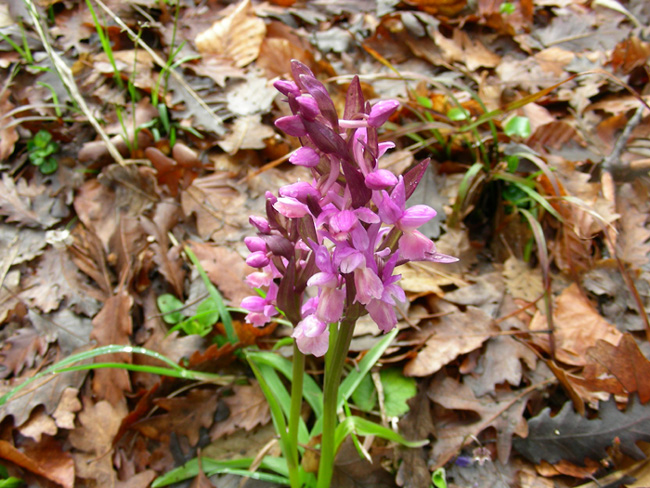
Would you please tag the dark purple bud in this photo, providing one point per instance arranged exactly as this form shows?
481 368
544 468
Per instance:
305 156
317 90
279 246
291 125
298 69
326 139
288 300
353 100
359 191
260 223
381 112
308 107
254 243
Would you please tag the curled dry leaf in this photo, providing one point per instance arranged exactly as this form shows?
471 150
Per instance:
237 37
248 409
46 459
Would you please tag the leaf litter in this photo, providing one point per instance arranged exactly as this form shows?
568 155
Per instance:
494 377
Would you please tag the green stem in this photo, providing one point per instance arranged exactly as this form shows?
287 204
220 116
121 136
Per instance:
333 370
296 410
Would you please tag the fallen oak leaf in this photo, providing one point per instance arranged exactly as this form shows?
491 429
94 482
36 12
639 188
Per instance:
185 415
248 409
46 459
625 361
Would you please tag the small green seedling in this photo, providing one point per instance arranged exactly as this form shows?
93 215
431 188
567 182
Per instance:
200 323
41 149
439 478
518 126
507 8
458 113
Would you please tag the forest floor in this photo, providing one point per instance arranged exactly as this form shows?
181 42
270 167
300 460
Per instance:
136 138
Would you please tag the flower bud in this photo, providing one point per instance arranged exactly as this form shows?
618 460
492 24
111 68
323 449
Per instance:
258 259
380 179
260 223
254 243
305 156
286 87
291 125
308 107
381 111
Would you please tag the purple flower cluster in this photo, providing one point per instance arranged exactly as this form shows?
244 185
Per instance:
327 249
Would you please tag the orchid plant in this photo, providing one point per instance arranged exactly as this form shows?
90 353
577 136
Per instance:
327 250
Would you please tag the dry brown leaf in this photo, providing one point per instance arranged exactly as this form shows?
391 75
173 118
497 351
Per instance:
68 406
46 459
248 409
522 281
578 326
26 203
185 415
501 363
113 325
633 242
237 36
451 335
8 133
248 133
166 256
94 438
442 7
39 423
471 52
225 268
23 348
503 412
624 361
219 206
55 279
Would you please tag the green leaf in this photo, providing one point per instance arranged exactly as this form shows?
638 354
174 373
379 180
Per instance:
513 163
207 313
425 101
49 166
439 478
365 396
518 126
168 305
11 482
458 113
506 8
397 390
42 138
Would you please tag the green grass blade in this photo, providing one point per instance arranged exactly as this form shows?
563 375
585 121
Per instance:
311 391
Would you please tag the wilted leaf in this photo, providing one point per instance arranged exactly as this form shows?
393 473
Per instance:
571 437
237 36
451 335
578 326
68 406
522 281
248 409
354 471
39 423
462 48
8 133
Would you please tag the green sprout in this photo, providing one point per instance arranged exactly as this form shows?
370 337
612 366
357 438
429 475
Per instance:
41 149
